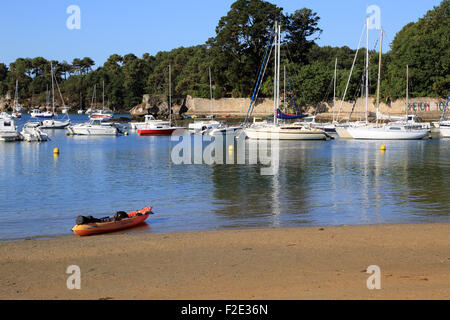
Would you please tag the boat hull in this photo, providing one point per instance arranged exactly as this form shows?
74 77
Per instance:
54 124
444 131
92 131
343 133
155 132
224 131
9 136
386 133
104 227
280 133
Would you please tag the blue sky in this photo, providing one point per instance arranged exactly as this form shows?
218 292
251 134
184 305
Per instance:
31 28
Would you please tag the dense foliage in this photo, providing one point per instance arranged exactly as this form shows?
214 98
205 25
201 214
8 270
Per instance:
235 55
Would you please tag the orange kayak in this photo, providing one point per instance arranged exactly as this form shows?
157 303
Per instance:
110 224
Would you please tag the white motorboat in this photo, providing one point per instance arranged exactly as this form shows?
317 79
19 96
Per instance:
36 113
199 127
94 127
224 130
55 124
157 129
8 130
148 119
30 132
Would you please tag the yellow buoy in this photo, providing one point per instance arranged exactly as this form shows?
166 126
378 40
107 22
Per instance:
56 151
383 147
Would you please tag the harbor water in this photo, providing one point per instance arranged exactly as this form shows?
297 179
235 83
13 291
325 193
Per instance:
319 183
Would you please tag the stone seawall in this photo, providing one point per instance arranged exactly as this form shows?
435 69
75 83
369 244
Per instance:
426 108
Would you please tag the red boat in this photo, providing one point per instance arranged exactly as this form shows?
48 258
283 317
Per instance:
157 129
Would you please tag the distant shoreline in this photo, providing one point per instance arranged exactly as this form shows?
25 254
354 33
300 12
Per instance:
293 263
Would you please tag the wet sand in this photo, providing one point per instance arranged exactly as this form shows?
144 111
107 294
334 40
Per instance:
297 263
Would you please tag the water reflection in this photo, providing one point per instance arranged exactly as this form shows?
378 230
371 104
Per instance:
318 183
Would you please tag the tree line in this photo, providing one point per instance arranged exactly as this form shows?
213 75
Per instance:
234 56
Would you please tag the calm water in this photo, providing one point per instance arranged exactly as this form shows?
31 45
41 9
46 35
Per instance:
319 183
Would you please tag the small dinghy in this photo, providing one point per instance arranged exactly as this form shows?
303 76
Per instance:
87 226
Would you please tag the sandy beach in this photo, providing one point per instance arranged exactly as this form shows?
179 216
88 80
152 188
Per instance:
297 263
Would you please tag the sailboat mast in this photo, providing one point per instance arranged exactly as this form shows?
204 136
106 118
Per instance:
379 73
284 89
210 94
53 88
278 68
103 96
367 71
334 92
275 76
407 91
94 100
16 96
170 95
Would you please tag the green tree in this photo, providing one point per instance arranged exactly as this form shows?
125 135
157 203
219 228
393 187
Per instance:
301 32
425 47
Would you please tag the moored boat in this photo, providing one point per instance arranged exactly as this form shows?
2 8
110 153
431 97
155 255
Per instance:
30 132
94 127
277 130
159 129
8 130
86 226
148 119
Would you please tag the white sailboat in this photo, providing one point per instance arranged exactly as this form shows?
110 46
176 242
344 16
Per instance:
443 125
222 128
17 110
36 113
55 123
81 111
276 130
200 127
391 131
103 113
